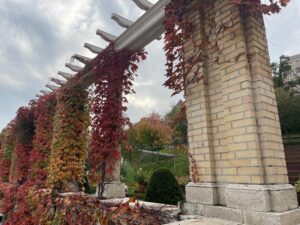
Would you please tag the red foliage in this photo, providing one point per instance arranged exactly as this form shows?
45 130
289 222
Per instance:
24 131
114 73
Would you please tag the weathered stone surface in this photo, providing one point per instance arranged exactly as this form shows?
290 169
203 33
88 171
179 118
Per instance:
291 217
114 190
201 193
192 208
242 197
204 221
224 213
283 200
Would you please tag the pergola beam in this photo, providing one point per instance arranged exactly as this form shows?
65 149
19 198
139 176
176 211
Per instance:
93 48
52 87
45 92
73 67
67 76
143 4
58 81
81 58
106 36
122 21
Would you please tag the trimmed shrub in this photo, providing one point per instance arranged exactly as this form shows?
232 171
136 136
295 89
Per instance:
163 188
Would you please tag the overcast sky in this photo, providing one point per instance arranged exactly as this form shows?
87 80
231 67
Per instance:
37 37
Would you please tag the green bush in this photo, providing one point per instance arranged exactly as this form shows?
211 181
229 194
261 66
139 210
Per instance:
163 188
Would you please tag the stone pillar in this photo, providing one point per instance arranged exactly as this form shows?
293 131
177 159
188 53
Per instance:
114 188
234 131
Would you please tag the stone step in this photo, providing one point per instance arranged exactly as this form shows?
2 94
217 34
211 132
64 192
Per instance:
205 221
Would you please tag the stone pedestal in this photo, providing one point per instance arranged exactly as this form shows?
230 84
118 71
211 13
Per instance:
114 189
245 204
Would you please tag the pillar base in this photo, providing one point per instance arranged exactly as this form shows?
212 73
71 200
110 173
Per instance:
245 204
114 189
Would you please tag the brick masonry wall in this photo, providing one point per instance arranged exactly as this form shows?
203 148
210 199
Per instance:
234 131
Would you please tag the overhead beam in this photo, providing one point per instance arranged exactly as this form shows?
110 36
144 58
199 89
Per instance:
106 36
52 87
93 48
73 67
67 76
147 28
45 92
81 58
143 4
58 81
122 21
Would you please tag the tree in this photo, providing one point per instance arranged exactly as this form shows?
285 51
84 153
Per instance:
288 103
177 120
150 132
289 111
283 76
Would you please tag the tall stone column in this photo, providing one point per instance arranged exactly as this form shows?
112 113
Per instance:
234 131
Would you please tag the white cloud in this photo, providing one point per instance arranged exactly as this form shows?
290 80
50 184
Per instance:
7 81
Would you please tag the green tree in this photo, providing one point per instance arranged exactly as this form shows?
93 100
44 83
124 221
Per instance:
283 76
177 120
289 111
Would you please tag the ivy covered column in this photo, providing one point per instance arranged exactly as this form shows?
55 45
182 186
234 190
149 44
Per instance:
69 142
114 73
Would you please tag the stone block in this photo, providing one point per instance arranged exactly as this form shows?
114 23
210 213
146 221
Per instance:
191 209
114 190
291 217
201 193
284 199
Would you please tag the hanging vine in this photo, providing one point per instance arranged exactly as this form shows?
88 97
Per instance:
114 75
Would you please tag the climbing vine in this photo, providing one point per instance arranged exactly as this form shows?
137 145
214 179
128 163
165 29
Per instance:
114 77
7 146
24 132
179 26
69 141
39 158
